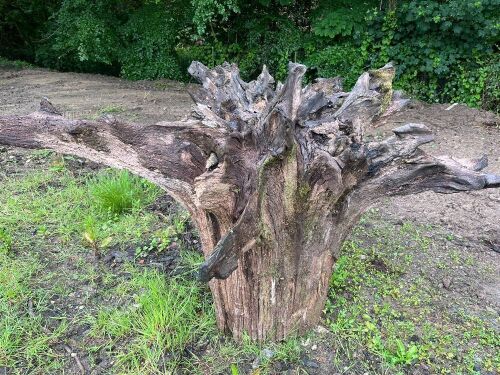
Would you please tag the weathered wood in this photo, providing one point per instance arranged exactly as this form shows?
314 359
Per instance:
274 178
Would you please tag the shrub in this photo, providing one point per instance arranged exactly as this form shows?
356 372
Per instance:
345 60
149 39
82 35
443 50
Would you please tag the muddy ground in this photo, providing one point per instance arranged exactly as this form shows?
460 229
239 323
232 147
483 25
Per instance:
472 219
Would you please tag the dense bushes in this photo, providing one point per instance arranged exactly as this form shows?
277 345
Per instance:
445 50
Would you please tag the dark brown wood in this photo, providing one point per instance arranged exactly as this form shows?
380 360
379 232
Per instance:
274 178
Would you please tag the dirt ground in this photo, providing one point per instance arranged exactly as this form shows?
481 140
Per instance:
473 218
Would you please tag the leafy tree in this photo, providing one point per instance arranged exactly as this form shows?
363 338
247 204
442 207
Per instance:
21 26
444 50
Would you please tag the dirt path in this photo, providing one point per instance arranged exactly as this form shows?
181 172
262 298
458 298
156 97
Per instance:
87 95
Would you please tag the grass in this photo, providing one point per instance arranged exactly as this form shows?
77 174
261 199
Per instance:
385 312
118 191
16 64
24 339
110 109
165 317
378 303
5 242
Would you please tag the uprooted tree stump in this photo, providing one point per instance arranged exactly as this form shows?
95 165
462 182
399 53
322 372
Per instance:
274 178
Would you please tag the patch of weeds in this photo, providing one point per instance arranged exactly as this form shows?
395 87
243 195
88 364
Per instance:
159 243
180 221
24 340
164 318
227 356
146 320
109 109
165 238
42 154
118 191
14 64
5 241
379 299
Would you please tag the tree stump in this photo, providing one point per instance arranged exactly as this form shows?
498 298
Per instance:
274 177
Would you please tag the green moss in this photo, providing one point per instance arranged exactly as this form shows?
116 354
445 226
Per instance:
385 77
304 190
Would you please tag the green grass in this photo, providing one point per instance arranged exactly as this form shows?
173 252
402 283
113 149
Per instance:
110 109
5 241
166 316
24 340
119 192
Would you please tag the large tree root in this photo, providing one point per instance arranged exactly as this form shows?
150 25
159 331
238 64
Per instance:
274 178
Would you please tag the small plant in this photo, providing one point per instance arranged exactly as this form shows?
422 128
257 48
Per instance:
403 355
180 221
157 244
234 369
109 109
90 235
119 192
5 241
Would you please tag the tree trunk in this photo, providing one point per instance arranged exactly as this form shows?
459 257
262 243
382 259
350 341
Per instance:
282 275
274 179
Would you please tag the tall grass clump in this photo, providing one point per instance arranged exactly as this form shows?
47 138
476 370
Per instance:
166 316
119 192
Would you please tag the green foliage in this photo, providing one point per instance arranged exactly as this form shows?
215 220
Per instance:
274 49
340 17
118 191
343 60
150 34
22 25
5 241
208 11
14 64
82 35
445 51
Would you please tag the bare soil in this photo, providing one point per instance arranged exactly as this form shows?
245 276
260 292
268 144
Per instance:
473 218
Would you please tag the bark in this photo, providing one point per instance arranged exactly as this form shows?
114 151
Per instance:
274 176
